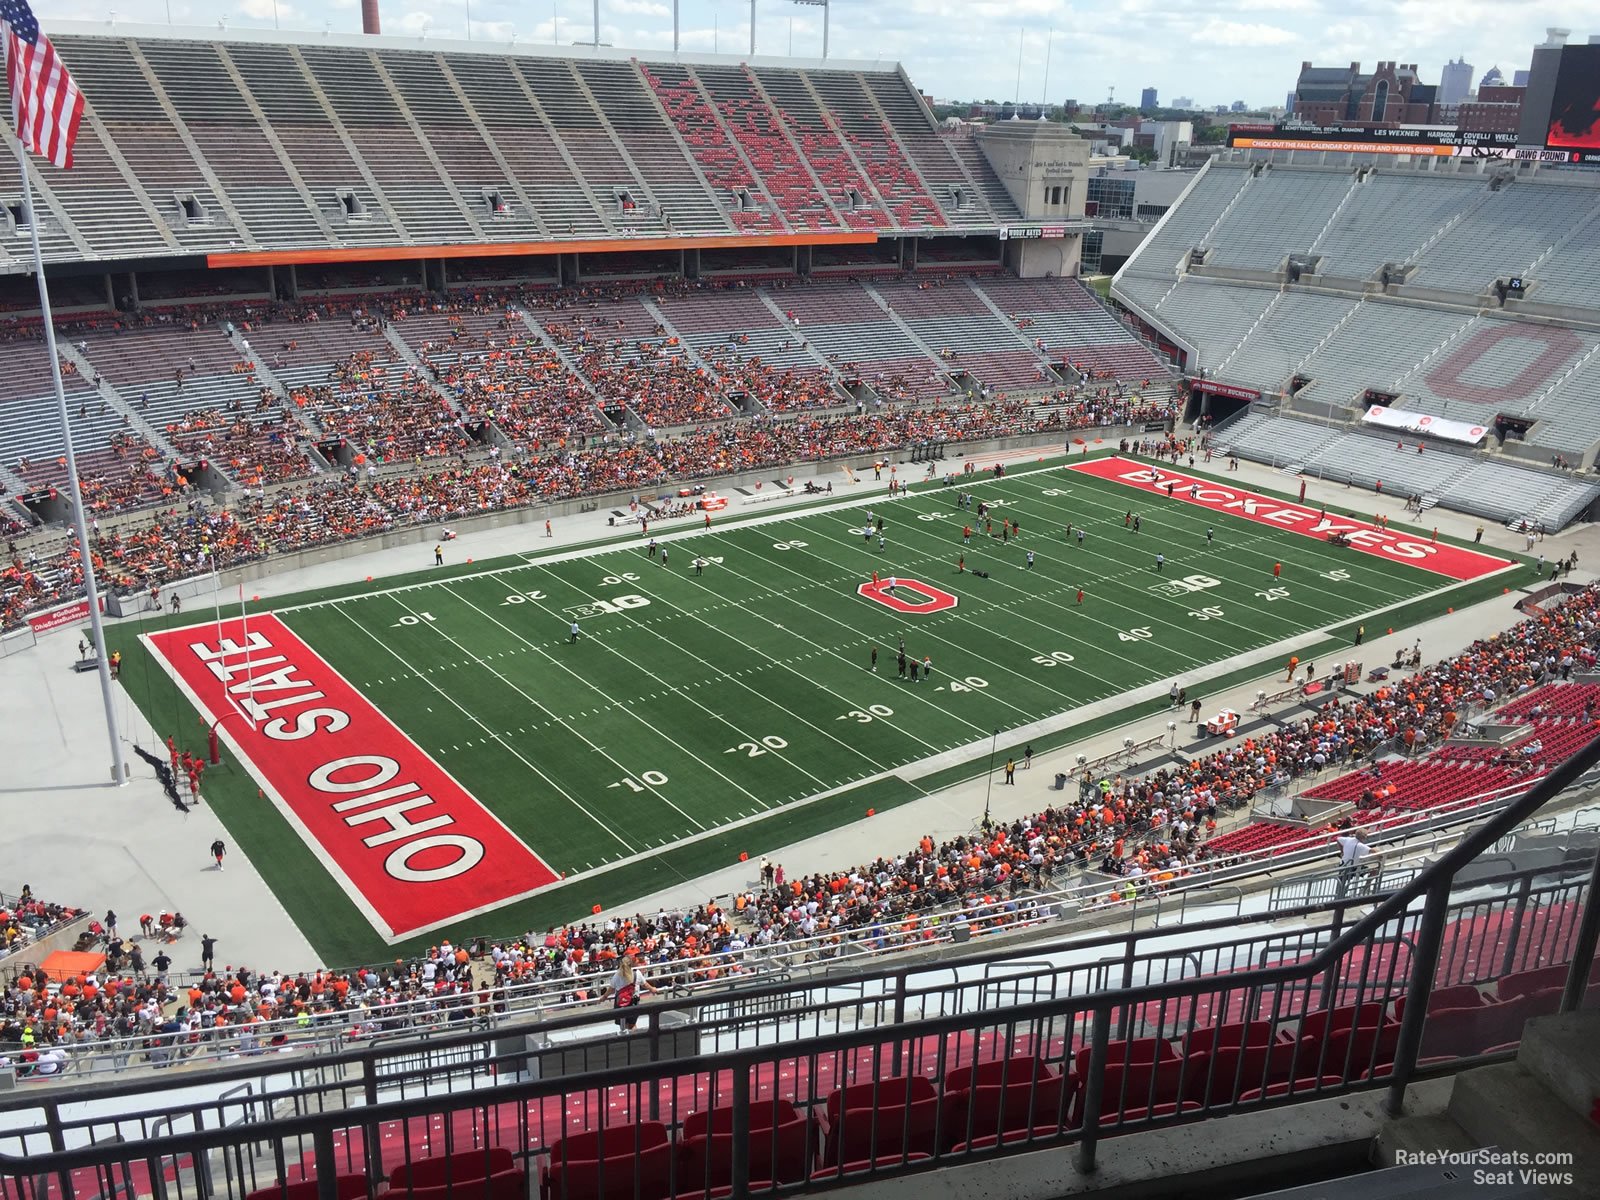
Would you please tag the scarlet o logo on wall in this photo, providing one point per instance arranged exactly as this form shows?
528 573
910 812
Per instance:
908 595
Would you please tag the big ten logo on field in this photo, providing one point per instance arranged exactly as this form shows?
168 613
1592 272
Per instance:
1182 587
606 608
908 595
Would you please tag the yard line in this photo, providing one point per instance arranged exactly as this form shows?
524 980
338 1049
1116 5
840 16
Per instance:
1030 651
620 544
1119 580
1192 517
760 653
1083 614
564 722
1382 588
955 648
471 717
638 667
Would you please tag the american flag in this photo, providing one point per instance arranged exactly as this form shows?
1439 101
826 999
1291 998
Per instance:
46 104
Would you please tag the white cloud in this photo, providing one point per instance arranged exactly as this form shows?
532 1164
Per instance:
268 10
1217 32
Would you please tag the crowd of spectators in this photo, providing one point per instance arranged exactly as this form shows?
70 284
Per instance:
505 375
1120 830
1150 829
383 412
178 540
256 448
653 375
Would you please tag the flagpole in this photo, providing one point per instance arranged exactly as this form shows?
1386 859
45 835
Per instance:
119 771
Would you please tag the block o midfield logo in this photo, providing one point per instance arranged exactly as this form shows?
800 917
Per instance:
909 595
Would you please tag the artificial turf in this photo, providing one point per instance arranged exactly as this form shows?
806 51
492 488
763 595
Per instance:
737 697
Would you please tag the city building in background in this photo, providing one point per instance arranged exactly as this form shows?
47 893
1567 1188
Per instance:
1455 82
1393 94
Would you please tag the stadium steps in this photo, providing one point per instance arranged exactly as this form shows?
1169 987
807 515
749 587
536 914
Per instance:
1204 240
934 154
1357 178
783 130
425 140
901 324
218 192
58 228
70 353
515 181
409 358
1582 232
1220 370
224 116
653 98
647 141
1448 344
269 134
653 202
1538 1103
375 189
714 145
824 151
1457 218
988 300
266 377
892 137
830 118
550 344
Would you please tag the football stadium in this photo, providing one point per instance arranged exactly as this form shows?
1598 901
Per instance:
613 624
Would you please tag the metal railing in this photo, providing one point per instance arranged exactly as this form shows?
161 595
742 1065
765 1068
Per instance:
881 1066
853 949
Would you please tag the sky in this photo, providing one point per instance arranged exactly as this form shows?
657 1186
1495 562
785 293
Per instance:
1211 50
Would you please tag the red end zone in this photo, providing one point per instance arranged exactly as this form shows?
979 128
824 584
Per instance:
1453 562
408 844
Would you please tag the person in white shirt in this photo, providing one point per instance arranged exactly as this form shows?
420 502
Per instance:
1353 851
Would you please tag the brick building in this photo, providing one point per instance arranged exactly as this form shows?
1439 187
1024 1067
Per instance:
1391 95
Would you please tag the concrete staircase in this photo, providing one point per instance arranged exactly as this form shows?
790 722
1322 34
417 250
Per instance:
1529 1117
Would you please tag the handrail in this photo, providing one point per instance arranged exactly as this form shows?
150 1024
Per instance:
542 996
898 979
1432 884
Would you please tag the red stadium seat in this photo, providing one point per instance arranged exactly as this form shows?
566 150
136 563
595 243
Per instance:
781 1146
346 1187
637 1164
1314 1024
452 1168
861 1166
1292 1088
1236 1033
1462 995
885 1118
1143 1085
1234 1070
1135 1050
502 1185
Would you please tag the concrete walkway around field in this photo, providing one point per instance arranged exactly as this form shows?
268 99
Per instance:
76 840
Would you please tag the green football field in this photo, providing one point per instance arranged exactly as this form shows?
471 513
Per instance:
701 714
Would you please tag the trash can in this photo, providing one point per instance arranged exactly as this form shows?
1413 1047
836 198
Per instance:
1061 781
